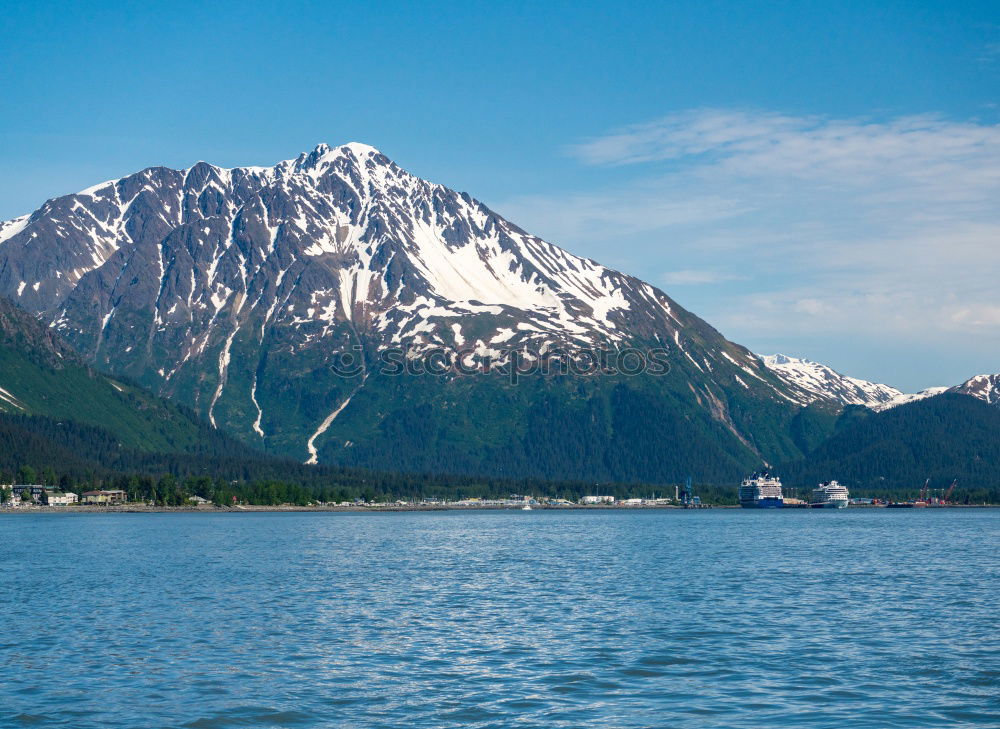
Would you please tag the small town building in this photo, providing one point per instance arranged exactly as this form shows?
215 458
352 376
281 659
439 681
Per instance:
112 496
198 501
28 493
59 498
597 500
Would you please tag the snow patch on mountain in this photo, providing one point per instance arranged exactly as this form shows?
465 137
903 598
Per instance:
5 396
905 398
203 276
983 387
11 228
824 383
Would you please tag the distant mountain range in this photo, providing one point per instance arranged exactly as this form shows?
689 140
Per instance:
888 442
819 382
823 383
300 308
983 387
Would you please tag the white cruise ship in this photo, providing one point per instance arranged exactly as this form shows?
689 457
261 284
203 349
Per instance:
829 496
761 491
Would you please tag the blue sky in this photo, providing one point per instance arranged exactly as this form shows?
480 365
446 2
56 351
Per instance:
820 179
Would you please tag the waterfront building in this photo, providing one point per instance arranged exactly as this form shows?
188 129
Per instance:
59 498
28 493
105 498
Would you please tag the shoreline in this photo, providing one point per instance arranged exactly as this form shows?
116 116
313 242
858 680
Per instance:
258 509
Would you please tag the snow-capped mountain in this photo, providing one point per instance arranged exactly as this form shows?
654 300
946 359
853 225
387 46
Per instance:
983 387
824 383
399 255
907 397
235 290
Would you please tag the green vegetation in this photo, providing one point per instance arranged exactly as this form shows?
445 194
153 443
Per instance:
79 457
891 454
82 457
606 428
65 425
43 376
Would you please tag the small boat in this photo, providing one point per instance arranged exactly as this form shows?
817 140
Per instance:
526 507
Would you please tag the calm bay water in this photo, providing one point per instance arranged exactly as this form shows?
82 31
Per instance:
717 618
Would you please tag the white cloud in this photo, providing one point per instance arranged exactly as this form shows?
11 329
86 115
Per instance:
691 276
751 143
836 226
990 53
631 209
953 166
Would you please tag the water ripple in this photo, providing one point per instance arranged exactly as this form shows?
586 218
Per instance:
860 618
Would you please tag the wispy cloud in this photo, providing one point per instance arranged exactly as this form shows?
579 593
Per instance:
990 53
630 209
838 225
914 151
690 276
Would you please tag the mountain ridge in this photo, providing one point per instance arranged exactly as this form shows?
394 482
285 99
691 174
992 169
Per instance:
234 290
822 382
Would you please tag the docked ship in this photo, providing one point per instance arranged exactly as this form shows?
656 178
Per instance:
761 491
829 495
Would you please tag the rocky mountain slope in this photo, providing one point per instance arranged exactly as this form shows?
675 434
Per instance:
41 376
269 299
983 387
825 383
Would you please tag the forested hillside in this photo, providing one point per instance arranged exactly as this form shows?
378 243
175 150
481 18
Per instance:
602 428
75 456
41 375
942 438
63 422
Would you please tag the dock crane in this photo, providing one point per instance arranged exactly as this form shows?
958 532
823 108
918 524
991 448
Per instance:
688 499
686 493
923 491
947 495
